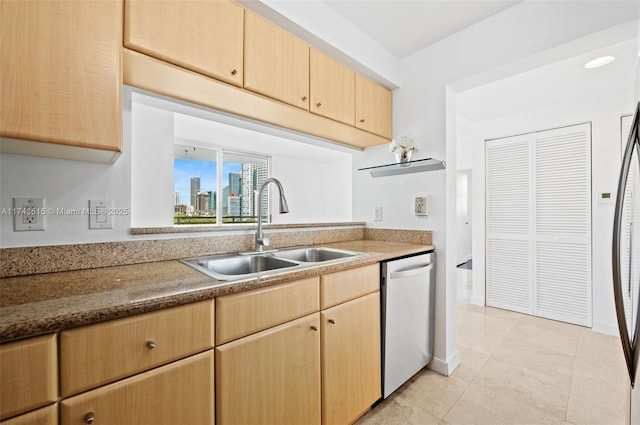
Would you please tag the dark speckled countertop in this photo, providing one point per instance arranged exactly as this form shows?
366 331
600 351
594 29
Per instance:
37 304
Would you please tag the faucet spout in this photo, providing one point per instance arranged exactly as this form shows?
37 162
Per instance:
260 240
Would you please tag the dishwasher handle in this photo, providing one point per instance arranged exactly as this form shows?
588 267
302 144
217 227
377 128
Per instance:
411 272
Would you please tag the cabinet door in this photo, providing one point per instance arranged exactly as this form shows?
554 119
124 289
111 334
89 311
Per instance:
179 393
204 36
351 367
276 64
332 88
28 375
272 377
374 107
61 73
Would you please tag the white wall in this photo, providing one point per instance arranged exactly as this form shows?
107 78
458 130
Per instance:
425 105
316 178
463 213
600 106
69 185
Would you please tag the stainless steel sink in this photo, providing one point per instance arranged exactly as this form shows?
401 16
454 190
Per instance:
313 255
248 265
238 266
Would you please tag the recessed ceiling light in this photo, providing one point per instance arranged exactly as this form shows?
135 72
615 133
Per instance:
598 62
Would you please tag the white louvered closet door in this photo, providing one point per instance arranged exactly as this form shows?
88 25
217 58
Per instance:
538 205
508 244
562 235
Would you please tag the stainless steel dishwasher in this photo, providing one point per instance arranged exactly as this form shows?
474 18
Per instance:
407 296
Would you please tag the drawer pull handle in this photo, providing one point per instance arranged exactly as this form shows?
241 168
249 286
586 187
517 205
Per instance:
89 417
319 104
234 72
314 328
362 120
333 322
304 98
151 345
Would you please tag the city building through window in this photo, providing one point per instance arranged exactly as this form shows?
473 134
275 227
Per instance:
215 186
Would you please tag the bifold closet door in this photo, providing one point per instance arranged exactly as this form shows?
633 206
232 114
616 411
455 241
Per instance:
538 206
508 244
562 208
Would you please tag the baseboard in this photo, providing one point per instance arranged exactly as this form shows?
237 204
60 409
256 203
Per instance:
477 301
605 328
443 367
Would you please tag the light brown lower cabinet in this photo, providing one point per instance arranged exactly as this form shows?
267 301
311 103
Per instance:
44 416
178 393
28 375
350 341
271 377
321 368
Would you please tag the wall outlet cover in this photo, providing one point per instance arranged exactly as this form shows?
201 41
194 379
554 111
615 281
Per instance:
421 206
28 214
377 214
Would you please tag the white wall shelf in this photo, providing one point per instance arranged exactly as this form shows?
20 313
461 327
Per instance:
415 166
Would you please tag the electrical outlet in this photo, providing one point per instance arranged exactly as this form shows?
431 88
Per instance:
28 214
421 206
377 214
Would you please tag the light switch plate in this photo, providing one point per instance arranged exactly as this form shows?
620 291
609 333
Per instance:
100 214
28 214
421 205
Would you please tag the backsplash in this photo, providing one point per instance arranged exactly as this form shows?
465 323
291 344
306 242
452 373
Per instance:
58 258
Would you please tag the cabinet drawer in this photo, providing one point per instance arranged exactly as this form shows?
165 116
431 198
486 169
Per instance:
29 375
45 416
179 393
336 288
98 354
242 314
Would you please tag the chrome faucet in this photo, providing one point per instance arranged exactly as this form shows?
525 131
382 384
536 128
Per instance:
261 241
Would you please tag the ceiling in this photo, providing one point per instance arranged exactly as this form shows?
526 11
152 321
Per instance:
406 26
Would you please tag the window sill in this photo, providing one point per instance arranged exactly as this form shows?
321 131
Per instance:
203 228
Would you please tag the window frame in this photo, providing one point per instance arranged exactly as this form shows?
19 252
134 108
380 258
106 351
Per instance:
220 152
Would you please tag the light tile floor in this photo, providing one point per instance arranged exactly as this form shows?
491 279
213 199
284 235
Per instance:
515 369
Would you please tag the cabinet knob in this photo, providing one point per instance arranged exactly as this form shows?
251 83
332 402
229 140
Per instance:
314 328
234 72
362 120
151 345
318 104
333 322
304 98
89 417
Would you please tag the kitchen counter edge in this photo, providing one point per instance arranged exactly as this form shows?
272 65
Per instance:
46 303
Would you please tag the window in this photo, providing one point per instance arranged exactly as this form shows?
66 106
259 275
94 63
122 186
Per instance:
205 193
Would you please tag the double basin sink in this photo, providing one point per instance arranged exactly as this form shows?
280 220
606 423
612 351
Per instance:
247 265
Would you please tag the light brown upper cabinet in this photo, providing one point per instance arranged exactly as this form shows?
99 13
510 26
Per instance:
61 72
203 36
373 107
332 88
276 64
